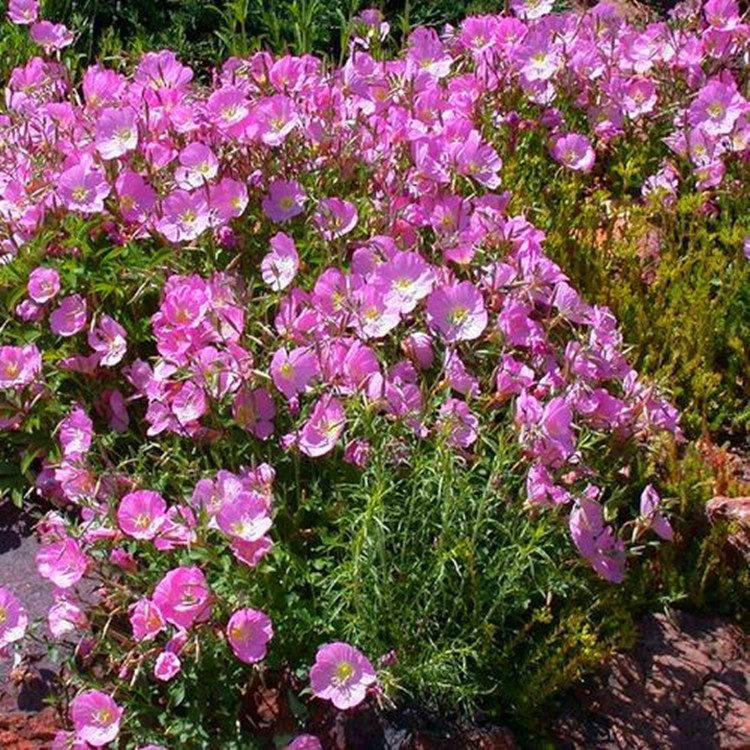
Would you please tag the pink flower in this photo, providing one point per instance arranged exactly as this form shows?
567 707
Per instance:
276 117
374 318
62 562
83 189
597 542
185 216
177 528
341 674
251 553
146 620
284 201
244 517
357 453
116 132
108 339
228 109
717 108
531 9
305 741
13 619
112 404
70 316
322 430
75 434
254 411
51 36
279 267
228 199
458 424
167 665
137 197
478 160
141 514
404 280
418 347
574 151
23 12
43 284
248 632
292 372
65 617
721 14
96 718
335 218
183 597
457 311
19 365
29 311
654 518
198 165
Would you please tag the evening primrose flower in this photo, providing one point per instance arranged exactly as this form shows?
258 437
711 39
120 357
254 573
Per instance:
279 267
70 316
96 717
43 284
341 674
183 597
457 311
248 632
116 132
574 151
19 365
284 201
141 514
13 618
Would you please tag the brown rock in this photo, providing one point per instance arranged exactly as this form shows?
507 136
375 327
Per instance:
682 686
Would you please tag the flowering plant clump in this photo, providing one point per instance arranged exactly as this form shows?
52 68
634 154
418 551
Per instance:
238 313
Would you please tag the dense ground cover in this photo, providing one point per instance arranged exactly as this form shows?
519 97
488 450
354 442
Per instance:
310 358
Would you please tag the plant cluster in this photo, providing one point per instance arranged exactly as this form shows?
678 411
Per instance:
238 313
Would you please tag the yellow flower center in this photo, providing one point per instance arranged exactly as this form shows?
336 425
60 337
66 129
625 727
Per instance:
12 369
103 716
79 194
287 203
344 672
3 615
458 316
